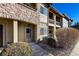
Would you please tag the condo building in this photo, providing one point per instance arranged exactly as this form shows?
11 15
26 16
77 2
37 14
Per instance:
26 22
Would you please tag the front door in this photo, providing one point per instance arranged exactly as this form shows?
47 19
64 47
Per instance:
1 35
29 34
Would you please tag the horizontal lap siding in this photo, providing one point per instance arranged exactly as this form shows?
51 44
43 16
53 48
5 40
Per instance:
8 30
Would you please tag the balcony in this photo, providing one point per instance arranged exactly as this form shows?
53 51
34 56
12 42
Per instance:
52 22
57 23
31 6
19 12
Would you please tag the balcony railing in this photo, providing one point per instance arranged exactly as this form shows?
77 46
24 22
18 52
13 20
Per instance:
19 12
28 6
58 23
52 22
30 14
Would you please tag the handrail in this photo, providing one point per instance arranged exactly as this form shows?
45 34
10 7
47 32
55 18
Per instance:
52 21
27 6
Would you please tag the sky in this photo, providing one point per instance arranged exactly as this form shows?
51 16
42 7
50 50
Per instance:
71 9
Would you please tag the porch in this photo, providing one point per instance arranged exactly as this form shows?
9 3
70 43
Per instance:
12 31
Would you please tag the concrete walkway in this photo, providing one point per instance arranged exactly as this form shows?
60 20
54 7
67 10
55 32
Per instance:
38 51
1 50
75 51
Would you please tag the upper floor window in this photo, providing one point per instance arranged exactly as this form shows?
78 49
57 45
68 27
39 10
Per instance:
51 16
43 10
58 18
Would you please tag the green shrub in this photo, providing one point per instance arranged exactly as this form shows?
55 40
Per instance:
17 49
67 37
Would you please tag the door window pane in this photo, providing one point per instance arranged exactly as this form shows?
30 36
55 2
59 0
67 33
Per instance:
28 30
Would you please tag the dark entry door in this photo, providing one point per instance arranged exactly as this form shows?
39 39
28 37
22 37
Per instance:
29 34
1 35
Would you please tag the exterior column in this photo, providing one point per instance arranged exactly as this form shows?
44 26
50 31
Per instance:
38 25
38 33
15 31
55 28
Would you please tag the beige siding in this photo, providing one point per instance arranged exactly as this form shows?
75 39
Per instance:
7 30
22 31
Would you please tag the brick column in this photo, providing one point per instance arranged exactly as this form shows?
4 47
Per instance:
15 31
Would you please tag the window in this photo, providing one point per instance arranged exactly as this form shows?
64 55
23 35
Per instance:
51 16
58 18
28 30
43 31
43 10
50 31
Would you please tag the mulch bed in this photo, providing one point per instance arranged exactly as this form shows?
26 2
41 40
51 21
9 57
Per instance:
56 51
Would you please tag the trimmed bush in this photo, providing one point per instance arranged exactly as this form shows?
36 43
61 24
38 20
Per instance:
67 37
49 40
17 49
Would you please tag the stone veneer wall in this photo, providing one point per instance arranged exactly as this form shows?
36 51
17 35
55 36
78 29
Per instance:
18 12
